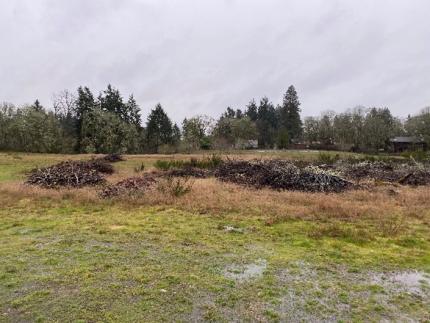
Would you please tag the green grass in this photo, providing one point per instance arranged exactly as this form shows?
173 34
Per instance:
105 263
13 166
71 261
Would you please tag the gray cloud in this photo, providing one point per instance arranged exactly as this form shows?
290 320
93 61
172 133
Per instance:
198 57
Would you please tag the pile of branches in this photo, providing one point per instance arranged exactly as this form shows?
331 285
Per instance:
379 170
401 173
112 158
99 165
189 172
69 174
281 175
73 173
417 177
129 186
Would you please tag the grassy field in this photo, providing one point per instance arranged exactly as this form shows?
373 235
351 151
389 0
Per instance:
220 253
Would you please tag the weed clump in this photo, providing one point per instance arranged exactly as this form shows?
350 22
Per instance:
175 186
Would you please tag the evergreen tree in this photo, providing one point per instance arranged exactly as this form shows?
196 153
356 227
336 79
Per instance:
230 113
85 103
37 106
159 130
176 134
111 101
133 111
105 132
266 124
289 114
252 110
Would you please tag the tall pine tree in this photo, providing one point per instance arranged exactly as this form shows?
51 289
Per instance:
111 101
252 110
159 130
289 115
133 111
266 124
85 103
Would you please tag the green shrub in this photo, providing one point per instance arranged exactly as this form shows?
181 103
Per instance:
205 143
205 163
168 164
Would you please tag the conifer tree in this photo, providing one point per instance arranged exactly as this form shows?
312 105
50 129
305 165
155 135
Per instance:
290 114
159 130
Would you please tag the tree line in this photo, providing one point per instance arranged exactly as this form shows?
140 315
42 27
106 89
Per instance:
81 122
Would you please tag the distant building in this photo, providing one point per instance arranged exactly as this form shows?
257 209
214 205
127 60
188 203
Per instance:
400 144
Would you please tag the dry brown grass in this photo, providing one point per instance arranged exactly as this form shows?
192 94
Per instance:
13 192
210 196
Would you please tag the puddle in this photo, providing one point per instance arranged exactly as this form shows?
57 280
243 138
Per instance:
246 272
312 292
228 228
411 281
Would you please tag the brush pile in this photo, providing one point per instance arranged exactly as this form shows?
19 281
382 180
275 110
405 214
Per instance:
281 175
112 158
402 173
189 172
73 173
69 174
417 177
129 186
379 170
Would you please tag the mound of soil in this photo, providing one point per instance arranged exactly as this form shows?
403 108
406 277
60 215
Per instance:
282 175
69 174
129 186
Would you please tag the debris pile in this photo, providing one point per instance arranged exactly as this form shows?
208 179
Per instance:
281 175
68 174
416 177
98 165
112 158
189 172
129 186
402 173
74 173
379 170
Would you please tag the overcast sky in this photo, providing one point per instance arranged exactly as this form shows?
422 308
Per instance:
200 56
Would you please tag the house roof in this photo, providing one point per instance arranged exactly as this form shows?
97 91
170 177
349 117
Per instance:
412 140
